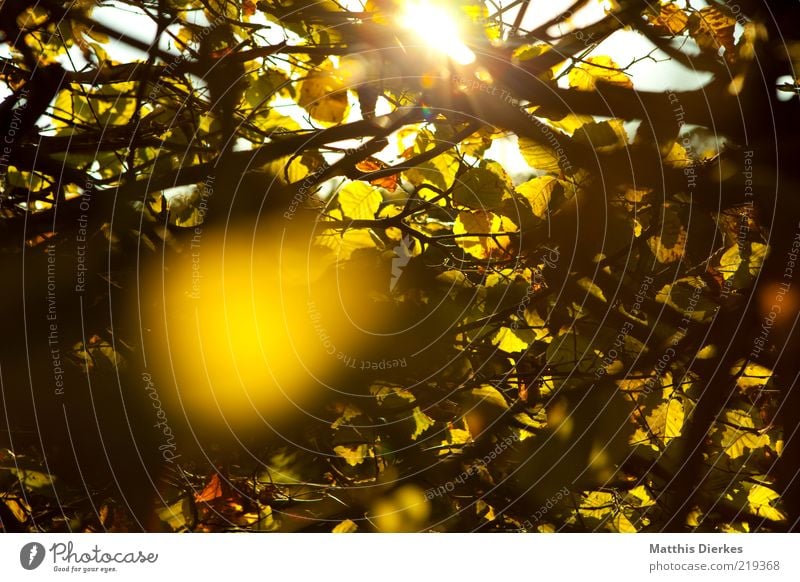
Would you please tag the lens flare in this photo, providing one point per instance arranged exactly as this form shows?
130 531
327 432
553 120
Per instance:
437 28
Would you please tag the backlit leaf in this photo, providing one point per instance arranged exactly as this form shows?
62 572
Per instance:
323 95
600 69
359 201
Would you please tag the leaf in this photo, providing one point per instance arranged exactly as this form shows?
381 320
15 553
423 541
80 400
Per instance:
668 19
354 455
422 422
739 433
603 136
687 296
323 94
539 192
371 164
511 340
346 526
761 501
439 172
456 437
178 515
742 268
669 245
753 375
530 51
33 480
477 143
211 491
640 497
359 201
264 86
538 156
490 395
666 421
479 223
344 244
597 505
621 524
349 413
600 69
571 352
483 188
713 29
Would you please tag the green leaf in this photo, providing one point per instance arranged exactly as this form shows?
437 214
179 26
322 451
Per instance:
178 515
33 480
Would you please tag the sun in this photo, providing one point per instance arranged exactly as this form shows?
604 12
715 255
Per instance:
437 27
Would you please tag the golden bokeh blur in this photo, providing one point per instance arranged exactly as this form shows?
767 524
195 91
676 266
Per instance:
253 328
404 510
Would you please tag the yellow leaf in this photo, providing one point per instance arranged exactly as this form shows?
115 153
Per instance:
509 340
642 496
739 433
354 455
591 288
571 122
347 526
491 395
677 156
343 244
666 421
597 504
422 422
538 156
360 201
620 523
479 223
603 136
585 75
323 94
753 375
19 509
731 260
539 192
761 501
456 437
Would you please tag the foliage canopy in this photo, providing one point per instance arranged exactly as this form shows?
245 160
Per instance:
371 288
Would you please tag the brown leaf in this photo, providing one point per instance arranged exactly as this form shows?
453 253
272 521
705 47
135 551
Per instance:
212 490
712 28
373 165
669 20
